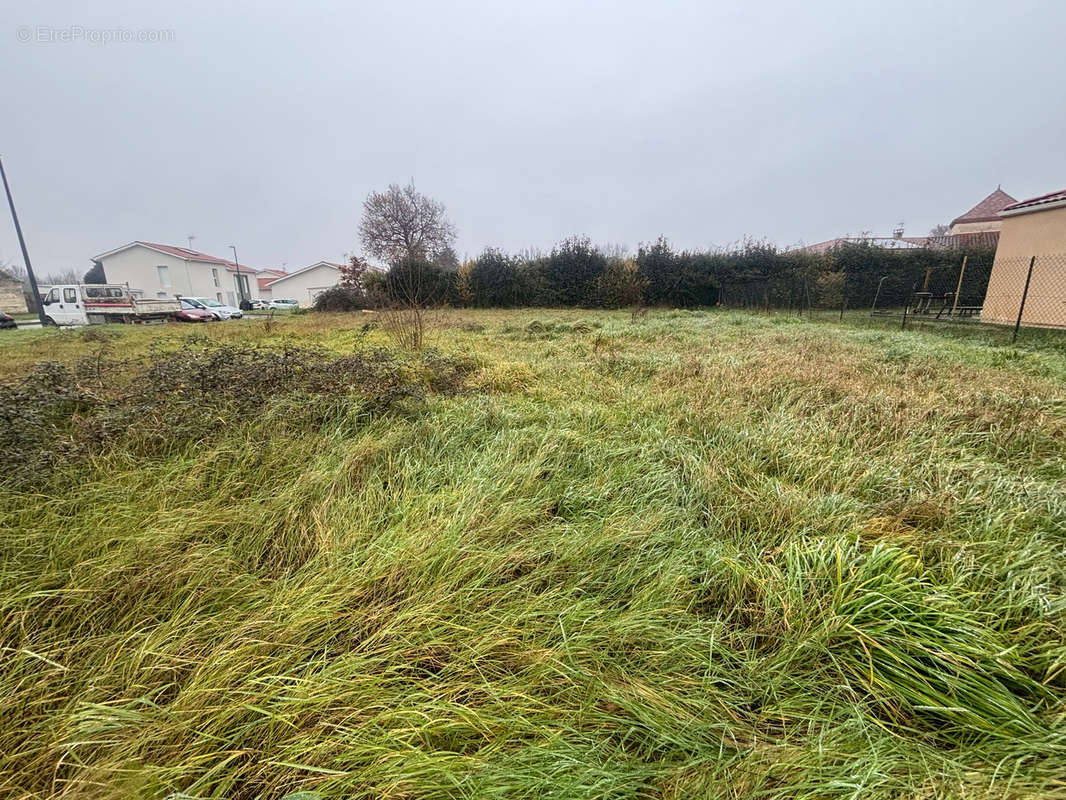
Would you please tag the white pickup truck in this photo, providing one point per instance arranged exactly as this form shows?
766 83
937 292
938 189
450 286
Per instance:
91 304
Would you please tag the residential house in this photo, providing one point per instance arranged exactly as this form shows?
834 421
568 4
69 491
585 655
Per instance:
160 270
304 285
263 279
976 229
983 217
899 242
1032 230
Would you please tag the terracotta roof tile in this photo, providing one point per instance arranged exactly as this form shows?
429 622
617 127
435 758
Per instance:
1035 202
185 252
988 209
196 255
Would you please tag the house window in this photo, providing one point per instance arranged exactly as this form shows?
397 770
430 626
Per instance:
164 275
218 296
214 277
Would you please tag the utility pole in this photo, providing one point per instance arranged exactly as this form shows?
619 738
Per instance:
240 286
25 253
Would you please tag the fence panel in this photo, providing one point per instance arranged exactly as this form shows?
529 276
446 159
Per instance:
1027 293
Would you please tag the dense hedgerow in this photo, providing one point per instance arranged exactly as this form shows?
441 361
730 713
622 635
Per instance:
754 275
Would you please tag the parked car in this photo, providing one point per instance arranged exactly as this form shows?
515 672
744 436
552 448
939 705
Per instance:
190 313
7 321
259 305
283 305
219 310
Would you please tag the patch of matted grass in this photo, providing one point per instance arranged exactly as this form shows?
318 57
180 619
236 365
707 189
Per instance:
697 554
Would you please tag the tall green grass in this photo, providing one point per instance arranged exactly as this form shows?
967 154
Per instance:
694 555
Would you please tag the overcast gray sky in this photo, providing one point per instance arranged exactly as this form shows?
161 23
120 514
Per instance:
265 124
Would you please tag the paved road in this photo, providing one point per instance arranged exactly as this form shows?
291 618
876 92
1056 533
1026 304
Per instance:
32 323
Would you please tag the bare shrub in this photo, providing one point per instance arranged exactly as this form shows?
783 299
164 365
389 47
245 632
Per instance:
405 324
407 300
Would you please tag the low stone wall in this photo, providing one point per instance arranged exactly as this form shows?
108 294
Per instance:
12 300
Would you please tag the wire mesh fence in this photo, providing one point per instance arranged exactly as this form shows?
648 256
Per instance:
1027 293
1023 296
1010 298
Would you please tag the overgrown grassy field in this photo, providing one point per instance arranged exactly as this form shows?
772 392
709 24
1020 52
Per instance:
564 554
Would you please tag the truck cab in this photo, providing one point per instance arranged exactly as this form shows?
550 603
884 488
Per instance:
63 305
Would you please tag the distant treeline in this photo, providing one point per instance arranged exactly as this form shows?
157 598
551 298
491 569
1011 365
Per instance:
751 275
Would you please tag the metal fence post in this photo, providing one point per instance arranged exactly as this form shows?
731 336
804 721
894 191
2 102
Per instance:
958 288
877 294
1021 306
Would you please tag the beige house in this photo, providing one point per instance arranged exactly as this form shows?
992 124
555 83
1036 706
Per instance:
304 285
983 217
1031 229
12 300
162 270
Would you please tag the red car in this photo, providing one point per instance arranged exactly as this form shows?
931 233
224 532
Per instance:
190 313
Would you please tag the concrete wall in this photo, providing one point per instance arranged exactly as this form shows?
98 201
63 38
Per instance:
976 227
11 298
306 286
138 266
1041 234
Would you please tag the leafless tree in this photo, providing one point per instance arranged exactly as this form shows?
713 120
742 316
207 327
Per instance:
62 276
614 250
353 272
940 230
401 222
15 270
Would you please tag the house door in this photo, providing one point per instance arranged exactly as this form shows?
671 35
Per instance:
242 287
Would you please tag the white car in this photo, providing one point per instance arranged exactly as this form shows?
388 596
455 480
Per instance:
283 305
259 305
220 310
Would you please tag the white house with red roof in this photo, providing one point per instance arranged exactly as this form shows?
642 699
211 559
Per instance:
162 270
263 278
304 285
